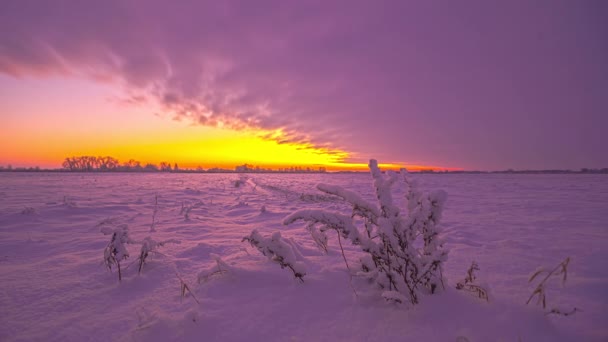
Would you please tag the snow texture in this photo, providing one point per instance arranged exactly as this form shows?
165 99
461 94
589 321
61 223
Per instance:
55 287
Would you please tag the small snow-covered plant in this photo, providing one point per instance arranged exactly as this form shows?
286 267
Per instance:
404 251
561 270
148 245
116 251
278 250
469 284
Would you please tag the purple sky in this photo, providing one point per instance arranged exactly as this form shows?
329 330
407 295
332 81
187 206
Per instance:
472 84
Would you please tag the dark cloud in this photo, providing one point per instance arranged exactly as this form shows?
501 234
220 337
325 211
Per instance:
474 83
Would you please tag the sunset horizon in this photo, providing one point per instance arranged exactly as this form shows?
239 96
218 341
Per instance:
441 87
137 130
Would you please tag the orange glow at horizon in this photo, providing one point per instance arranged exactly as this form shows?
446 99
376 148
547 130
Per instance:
189 147
45 121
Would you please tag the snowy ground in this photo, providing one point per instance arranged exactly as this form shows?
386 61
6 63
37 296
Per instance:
54 287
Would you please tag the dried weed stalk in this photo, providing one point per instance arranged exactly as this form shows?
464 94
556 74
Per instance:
540 291
153 225
220 268
468 284
187 208
183 287
319 237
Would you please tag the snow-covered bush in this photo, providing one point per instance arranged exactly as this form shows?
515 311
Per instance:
404 251
116 251
277 249
148 245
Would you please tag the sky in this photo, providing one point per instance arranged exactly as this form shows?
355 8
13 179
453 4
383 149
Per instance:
485 85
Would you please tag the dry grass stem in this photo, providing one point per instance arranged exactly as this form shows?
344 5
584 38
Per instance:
183 288
540 291
468 284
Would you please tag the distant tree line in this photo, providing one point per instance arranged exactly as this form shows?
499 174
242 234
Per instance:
583 170
293 169
10 168
109 164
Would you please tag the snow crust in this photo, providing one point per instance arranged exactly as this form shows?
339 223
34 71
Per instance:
55 286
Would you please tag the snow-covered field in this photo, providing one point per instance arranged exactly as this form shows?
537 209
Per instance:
54 286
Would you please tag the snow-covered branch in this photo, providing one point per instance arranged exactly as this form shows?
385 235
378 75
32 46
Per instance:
278 250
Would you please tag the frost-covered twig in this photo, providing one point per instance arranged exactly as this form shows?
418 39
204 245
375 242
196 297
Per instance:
327 220
361 207
278 250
